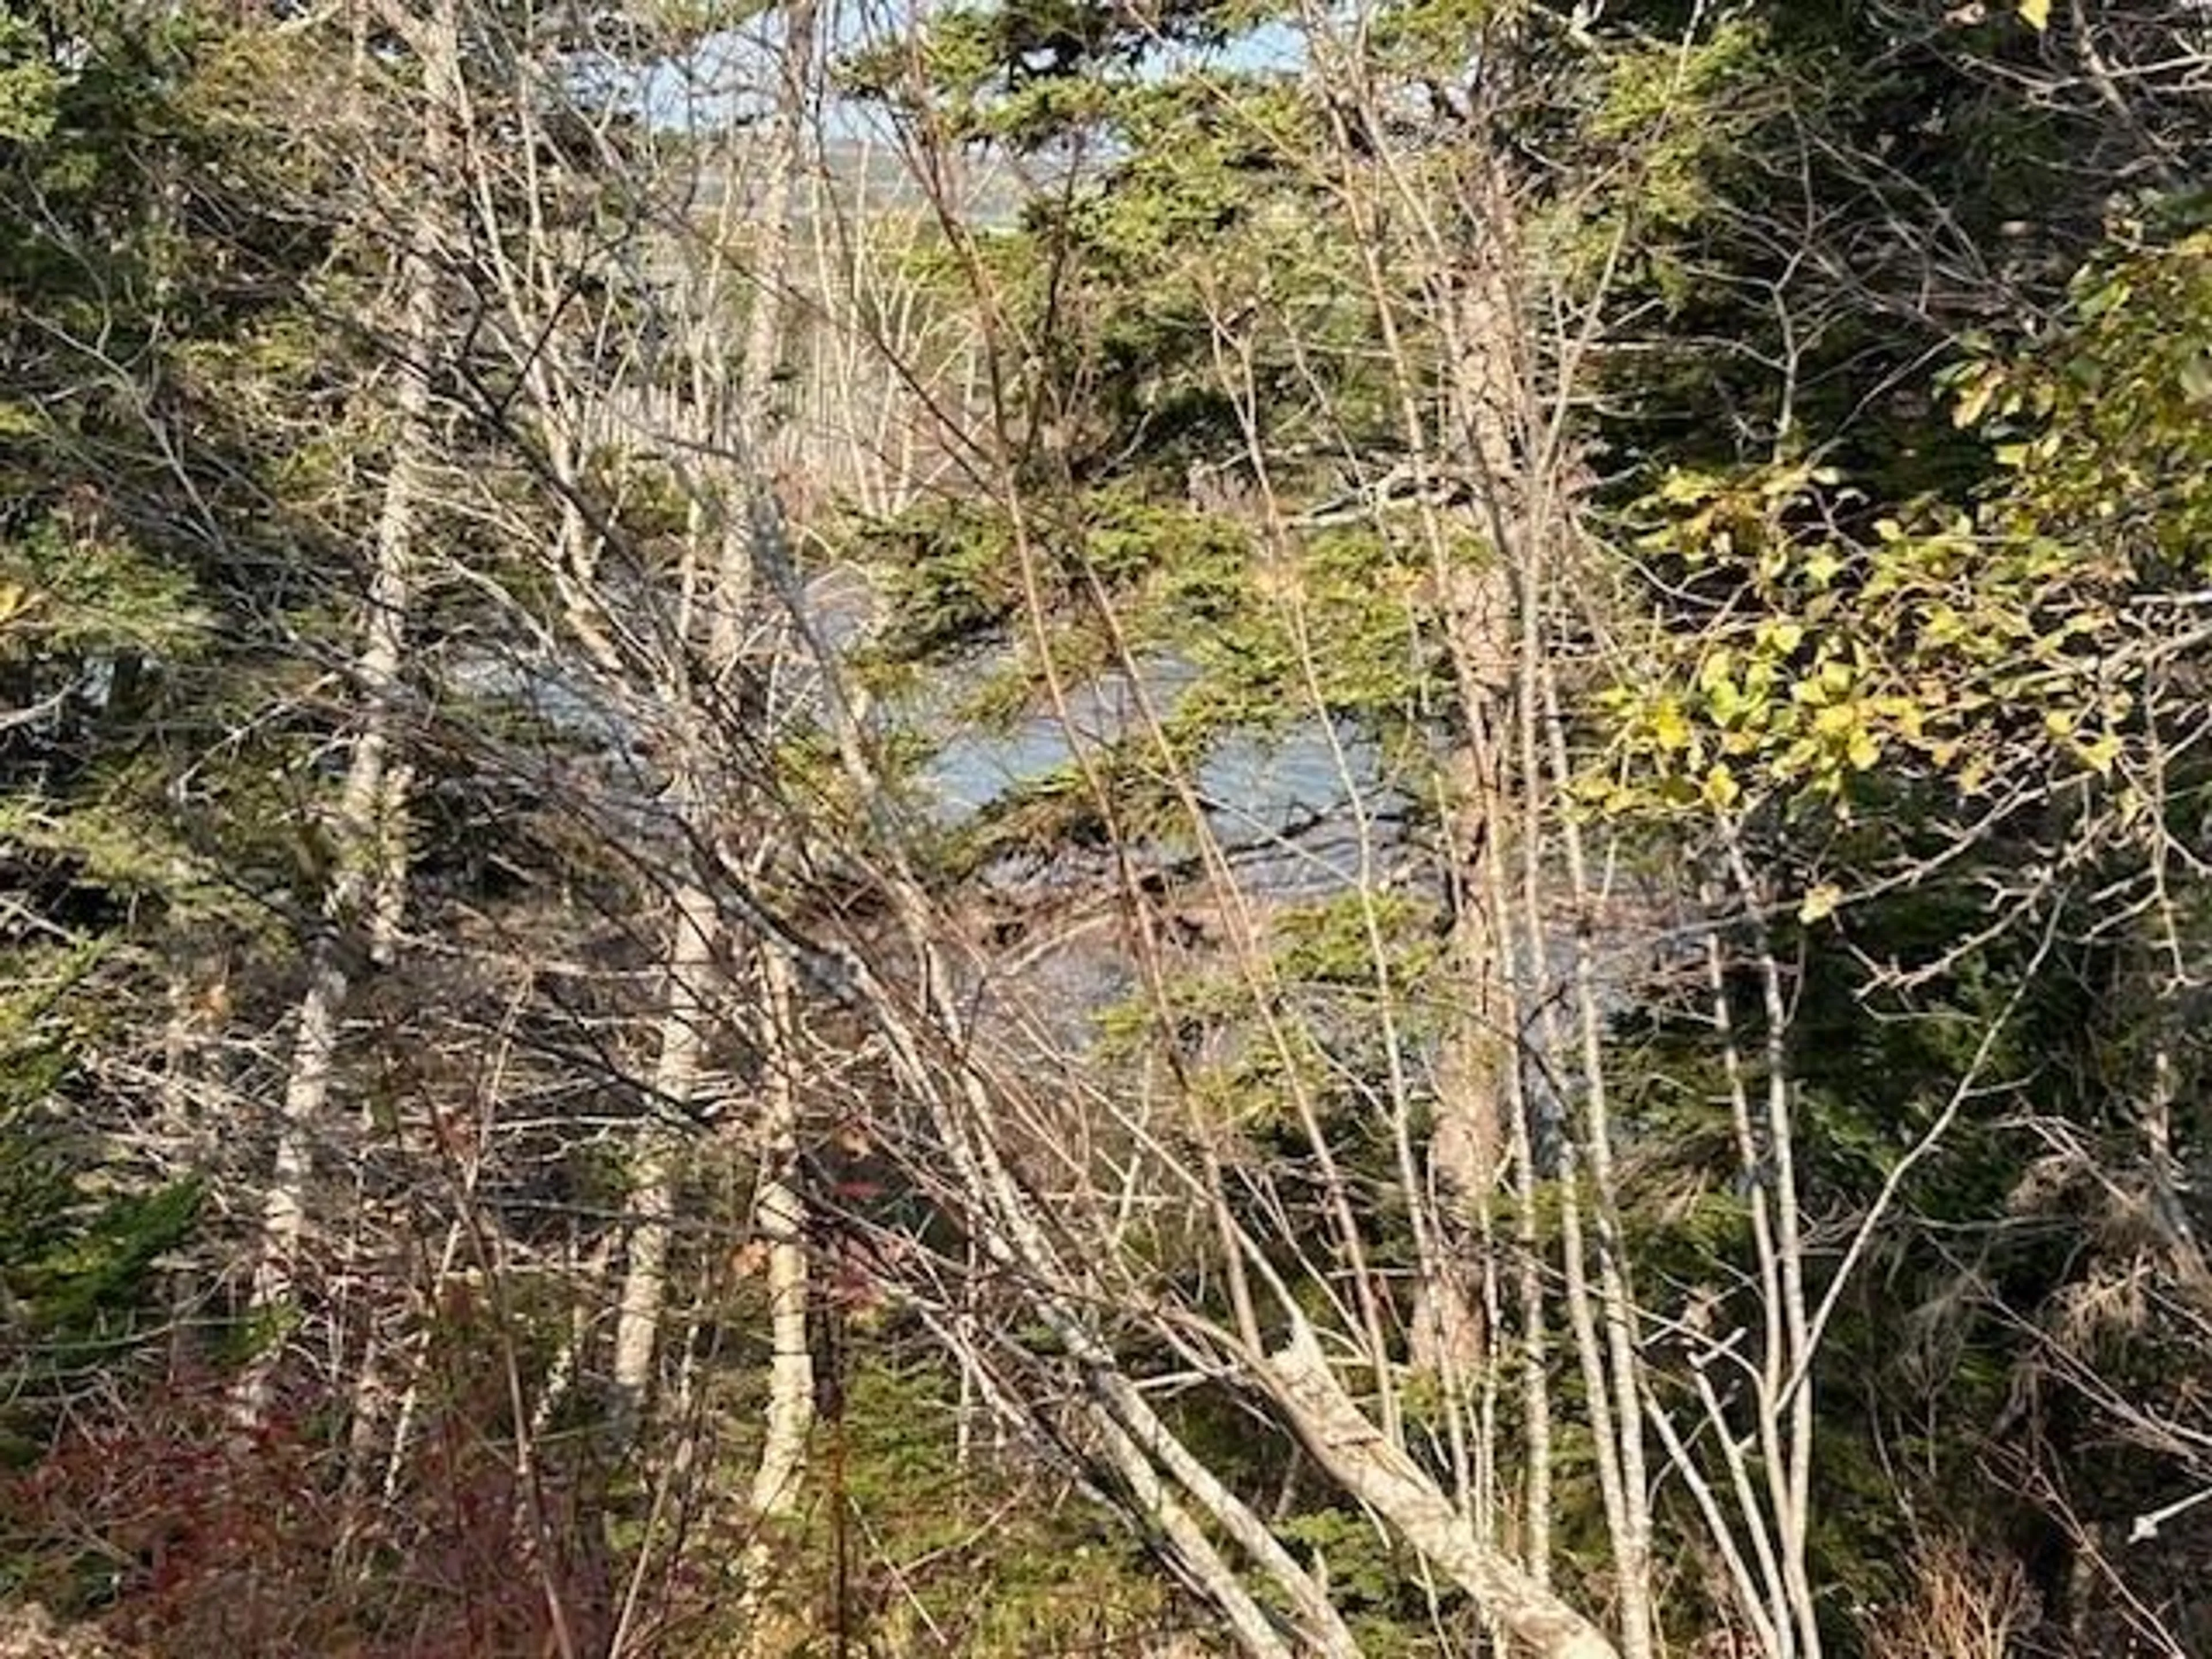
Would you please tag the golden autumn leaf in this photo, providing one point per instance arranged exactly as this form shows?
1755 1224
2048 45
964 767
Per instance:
1721 789
1670 730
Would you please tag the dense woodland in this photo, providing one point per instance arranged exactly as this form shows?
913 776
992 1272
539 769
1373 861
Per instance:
1171 827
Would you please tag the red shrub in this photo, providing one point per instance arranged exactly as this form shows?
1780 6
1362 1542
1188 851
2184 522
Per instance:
192 1536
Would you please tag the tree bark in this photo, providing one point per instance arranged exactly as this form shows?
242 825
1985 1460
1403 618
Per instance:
365 893
782 1221
1380 1474
688 979
691 972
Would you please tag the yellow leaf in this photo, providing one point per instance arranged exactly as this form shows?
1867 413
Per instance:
2036 14
1688 488
1668 729
1819 904
1721 791
2100 755
1863 750
1974 402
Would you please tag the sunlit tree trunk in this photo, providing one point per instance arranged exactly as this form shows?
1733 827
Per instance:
690 979
737 426
782 1219
365 837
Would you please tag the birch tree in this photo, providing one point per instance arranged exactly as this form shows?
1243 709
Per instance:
366 831
737 528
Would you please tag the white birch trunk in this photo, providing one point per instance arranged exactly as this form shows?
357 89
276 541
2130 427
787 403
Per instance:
366 890
691 975
782 1221
1378 1472
690 979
